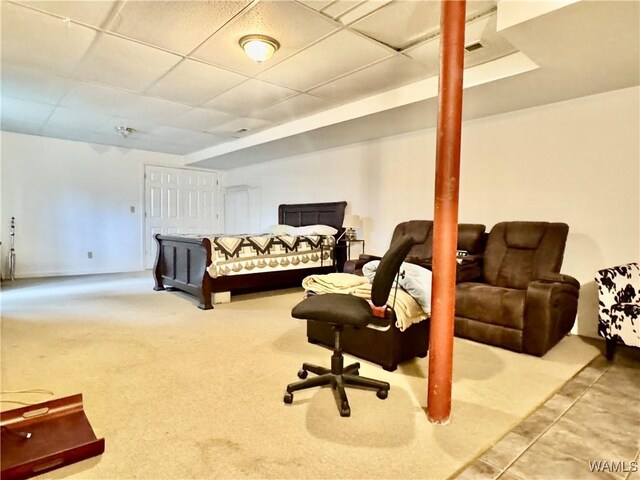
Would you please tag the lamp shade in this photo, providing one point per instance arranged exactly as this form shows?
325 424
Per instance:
351 221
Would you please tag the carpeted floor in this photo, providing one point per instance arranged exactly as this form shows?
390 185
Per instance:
182 393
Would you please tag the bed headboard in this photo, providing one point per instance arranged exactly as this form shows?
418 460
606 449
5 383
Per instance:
300 214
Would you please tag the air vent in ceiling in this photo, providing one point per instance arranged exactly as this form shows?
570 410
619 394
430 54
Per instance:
473 46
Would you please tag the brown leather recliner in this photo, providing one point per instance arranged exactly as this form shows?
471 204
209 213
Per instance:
522 302
471 239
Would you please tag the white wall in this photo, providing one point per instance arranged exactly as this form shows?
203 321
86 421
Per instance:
70 198
575 161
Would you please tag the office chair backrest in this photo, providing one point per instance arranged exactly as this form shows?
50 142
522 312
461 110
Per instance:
388 269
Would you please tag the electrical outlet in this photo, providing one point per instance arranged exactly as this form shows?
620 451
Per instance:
133 209
89 254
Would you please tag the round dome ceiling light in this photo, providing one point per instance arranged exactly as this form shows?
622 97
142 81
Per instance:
259 47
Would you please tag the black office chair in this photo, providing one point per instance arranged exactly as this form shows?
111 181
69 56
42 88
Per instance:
340 310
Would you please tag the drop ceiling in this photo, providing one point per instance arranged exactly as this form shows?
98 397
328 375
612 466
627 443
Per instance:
173 70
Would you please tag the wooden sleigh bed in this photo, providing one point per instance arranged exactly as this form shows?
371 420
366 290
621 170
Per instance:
182 261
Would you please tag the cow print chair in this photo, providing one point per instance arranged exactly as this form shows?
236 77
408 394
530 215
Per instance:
619 306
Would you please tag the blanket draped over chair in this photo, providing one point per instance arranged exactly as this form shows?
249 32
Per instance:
407 310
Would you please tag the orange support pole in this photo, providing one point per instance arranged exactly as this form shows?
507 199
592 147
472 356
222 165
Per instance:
445 228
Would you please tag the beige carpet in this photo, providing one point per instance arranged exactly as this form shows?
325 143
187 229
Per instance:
182 393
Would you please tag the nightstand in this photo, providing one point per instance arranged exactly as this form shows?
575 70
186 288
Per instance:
356 251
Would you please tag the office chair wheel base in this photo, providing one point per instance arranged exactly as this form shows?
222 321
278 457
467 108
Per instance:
345 410
382 394
288 398
302 374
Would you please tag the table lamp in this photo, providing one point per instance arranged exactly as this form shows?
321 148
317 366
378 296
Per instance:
350 223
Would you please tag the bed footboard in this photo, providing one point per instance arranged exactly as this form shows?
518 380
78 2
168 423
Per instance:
181 263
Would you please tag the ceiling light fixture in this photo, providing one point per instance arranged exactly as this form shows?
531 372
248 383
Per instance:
259 47
125 131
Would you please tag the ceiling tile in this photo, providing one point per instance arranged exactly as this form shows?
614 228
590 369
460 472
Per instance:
139 142
364 8
332 57
194 83
100 99
95 13
19 112
156 109
427 53
141 127
27 84
291 24
402 24
110 138
66 133
247 124
316 4
198 119
340 7
75 119
391 73
126 64
37 40
249 96
292 108
174 25
113 102
171 134
119 103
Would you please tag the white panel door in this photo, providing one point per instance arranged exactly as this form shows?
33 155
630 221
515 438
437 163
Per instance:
236 210
178 201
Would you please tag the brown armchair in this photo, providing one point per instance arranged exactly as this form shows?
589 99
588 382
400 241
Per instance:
471 239
522 302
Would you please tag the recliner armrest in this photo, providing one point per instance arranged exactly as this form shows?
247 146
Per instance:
423 262
550 313
558 278
355 266
469 269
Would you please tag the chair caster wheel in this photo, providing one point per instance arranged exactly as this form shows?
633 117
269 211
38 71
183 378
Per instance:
345 411
382 394
288 398
302 374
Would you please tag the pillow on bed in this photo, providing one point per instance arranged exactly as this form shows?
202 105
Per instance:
280 230
315 230
416 281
